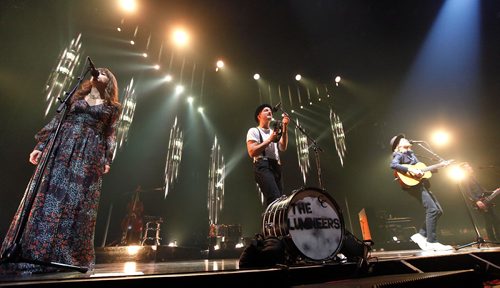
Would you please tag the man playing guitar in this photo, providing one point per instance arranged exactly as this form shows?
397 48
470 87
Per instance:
482 201
403 161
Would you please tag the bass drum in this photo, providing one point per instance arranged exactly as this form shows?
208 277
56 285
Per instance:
309 221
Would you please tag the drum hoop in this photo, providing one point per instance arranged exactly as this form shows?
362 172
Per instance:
288 236
280 226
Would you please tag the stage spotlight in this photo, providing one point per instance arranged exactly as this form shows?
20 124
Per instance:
457 173
190 100
180 37
441 138
168 78
128 5
301 107
145 55
119 29
337 80
179 89
133 250
298 77
256 76
156 67
132 42
220 65
200 110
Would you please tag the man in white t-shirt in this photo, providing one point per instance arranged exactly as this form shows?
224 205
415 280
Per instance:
263 146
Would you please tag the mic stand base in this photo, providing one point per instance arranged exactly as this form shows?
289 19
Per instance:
80 269
11 256
480 241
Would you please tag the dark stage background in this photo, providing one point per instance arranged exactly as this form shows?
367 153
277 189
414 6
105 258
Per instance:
390 85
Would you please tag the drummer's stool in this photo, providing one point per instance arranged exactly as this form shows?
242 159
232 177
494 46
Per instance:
152 231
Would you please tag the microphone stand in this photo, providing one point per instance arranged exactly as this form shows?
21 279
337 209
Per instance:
426 148
314 146
12 253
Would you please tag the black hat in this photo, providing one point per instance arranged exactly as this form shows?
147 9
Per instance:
259 109
395 140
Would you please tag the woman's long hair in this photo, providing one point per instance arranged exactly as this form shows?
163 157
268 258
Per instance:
110 91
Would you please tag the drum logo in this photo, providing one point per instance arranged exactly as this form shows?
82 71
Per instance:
304 216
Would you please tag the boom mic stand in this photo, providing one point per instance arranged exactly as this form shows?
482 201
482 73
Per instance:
12 254
314 146
426 148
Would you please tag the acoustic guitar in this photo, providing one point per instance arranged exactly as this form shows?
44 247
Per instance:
408 180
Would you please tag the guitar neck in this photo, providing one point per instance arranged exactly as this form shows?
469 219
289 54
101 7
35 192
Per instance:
435 166
492 196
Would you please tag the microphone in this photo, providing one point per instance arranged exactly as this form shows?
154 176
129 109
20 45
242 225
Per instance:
276 126
276 107
416 141
94 72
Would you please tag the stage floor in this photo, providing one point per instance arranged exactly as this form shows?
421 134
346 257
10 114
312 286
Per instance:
226 272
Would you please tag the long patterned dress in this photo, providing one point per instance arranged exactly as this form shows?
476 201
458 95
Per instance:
61 223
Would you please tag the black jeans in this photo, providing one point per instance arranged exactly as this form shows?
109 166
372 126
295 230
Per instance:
492 224
268 177
433 211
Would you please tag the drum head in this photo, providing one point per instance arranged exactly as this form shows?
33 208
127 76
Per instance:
315 224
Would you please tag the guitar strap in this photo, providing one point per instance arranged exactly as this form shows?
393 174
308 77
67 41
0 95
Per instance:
261 140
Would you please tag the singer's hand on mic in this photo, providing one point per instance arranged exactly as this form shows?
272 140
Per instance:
35 156
285 120
273 137
106 168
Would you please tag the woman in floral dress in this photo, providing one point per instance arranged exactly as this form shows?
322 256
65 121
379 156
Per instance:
61 222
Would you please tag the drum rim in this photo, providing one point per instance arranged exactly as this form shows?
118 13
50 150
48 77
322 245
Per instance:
287 236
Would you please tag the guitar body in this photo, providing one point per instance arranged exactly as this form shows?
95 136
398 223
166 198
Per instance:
408 180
